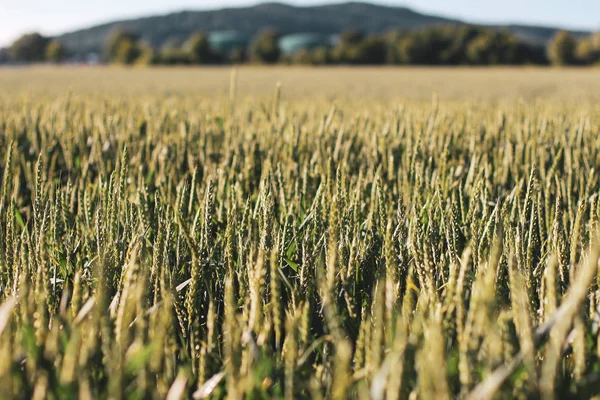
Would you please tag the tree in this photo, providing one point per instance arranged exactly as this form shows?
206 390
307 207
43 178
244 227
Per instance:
347 49
122 47
492 47
588 50
351 37
30 47
410 50
302 56
372 50
147 55
128 52
198 48
459 38
561 50
173 57
56 51
265 48
3 55
321 56
172 43
456 45
237 56
479 50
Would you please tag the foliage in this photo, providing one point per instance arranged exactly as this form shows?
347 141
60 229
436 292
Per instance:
327 20
437 45
588 50
441 45
55 51
172 43
147 56
346 50
122 47
452 45
30 47
199 49
321 56
356 48
173 57
561 50
265 47
170 247
238 56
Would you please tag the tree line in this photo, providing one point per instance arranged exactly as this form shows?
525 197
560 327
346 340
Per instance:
440 45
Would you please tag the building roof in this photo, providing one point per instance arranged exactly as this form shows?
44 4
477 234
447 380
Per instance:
290 44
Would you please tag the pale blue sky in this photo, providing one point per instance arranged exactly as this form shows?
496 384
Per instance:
53 17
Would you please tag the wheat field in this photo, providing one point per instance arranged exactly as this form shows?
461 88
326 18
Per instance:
467 84
299 233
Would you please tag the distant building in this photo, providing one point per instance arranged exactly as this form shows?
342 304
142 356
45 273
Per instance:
226 42
291 44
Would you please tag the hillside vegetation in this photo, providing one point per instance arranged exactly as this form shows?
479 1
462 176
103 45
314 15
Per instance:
326 19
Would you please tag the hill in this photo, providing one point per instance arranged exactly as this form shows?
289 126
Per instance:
324 19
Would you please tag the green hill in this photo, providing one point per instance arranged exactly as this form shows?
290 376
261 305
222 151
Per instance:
325 19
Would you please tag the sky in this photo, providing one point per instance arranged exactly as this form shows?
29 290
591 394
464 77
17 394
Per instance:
54 17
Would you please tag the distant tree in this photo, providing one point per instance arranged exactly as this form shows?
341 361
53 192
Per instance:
392 39
265 48
128 52
56 51
198 48
561 50
491 47
433 42
347 50
3 55
237 56
302 56
372 50
321 56
531 53
584 52
430 46
458 40
172 43
122 47
30 47
351 37
479 51
456 45
147 55
410 50
173 57
587 51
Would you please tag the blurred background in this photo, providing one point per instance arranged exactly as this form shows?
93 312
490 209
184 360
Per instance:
406 32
